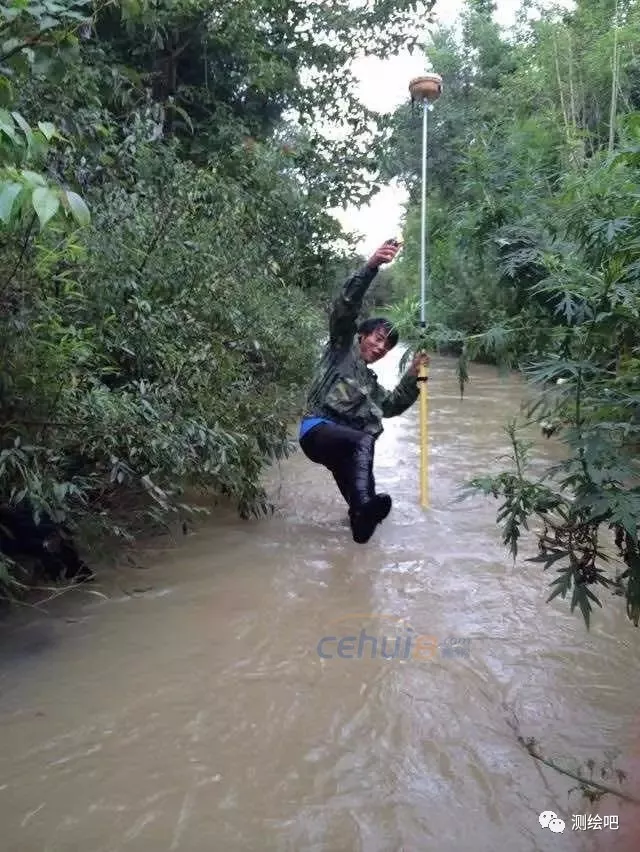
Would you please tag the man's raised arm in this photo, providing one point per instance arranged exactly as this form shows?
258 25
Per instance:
347 306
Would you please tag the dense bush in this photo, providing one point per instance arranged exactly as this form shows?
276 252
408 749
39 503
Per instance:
534 260
166 245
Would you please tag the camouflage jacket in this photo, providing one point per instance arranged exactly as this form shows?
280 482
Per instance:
344 389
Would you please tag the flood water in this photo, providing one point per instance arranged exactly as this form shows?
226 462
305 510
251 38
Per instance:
195 706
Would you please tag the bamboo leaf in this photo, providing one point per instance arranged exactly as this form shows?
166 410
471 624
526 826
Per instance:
8 195
78 208
45 203
48 129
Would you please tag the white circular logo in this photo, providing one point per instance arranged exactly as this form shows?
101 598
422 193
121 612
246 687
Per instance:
550 820
557 825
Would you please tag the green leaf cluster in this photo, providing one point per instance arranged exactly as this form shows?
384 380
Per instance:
534 264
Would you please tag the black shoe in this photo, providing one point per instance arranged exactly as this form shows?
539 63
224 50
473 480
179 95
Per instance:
364 520
383 506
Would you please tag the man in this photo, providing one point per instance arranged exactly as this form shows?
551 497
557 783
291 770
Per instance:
345 404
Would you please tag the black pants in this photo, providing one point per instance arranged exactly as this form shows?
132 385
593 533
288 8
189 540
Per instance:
348 454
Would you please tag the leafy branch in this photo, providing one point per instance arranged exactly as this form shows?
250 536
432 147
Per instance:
590 788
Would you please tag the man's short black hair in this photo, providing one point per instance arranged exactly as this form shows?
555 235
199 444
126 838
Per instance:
370 325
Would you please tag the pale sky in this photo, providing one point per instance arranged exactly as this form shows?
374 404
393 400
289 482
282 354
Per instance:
383 86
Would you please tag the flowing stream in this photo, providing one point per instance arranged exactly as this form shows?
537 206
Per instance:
233 695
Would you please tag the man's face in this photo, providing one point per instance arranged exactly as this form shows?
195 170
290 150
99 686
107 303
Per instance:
374 345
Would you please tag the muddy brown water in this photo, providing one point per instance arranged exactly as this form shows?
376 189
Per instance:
196 707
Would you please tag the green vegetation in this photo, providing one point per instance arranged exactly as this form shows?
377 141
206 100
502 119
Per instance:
166 245
168 251
534 217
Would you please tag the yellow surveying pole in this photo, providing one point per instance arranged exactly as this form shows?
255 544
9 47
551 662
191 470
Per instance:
424 439
428 89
